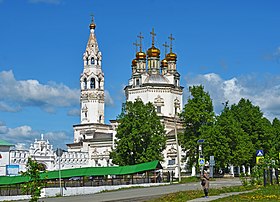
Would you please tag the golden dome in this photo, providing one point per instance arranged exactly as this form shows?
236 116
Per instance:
171 57
140 55
164 63
92 26
134 62
153 52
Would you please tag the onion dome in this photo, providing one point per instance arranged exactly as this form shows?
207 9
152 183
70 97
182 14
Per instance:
153 52
134 63
171 56
92 26
140 55
164 63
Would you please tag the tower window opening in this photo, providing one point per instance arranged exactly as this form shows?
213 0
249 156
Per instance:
85 83
137 82
97 62
92 61
92 83
100 118
99 83
87 61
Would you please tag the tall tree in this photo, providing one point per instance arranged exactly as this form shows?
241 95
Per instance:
227 141
254 125
140 135
197 112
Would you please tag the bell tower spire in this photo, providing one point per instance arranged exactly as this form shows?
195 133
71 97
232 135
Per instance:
92 81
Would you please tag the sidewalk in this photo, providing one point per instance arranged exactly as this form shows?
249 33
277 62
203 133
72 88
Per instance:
212 198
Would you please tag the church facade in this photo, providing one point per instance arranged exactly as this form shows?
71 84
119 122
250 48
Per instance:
152 80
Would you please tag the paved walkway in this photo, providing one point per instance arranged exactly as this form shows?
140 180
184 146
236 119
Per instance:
212 198
141 194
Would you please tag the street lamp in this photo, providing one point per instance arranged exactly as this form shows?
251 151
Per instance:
59 153
177 148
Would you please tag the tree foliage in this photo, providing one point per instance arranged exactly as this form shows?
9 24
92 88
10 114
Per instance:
257 127
238 132
34 185
198 112
233 137
140 135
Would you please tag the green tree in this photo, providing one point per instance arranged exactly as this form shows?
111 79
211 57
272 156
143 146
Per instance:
34 185
240 144
227 141
254 125
140 135
216 144
196 113
276 139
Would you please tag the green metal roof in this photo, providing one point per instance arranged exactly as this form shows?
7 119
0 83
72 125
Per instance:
88 171
5 143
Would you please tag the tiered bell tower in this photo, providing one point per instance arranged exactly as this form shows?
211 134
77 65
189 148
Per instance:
92 82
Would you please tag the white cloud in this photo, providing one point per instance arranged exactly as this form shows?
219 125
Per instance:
23 136
20 94
108 99
74 112
17 94
262 90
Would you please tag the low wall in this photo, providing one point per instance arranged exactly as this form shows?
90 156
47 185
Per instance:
71 191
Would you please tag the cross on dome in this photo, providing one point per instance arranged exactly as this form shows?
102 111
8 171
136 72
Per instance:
140 41
171 39
136 45
92 24
165 48
153 36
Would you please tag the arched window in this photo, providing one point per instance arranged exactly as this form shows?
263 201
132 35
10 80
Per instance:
97 61
85 83
92 83
87 61
100 118
92 61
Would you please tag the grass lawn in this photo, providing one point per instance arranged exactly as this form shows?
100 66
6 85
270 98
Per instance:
184 196
268 193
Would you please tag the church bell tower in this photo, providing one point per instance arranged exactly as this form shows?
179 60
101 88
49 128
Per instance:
92 82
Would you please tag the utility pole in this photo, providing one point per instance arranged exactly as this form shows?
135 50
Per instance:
177 148
59 153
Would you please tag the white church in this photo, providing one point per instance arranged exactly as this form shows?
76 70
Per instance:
152 79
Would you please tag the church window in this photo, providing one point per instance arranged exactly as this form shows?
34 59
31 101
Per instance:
171 162
158 109
100 118
87 61
97 61
92 83
137 82
92 61
85 83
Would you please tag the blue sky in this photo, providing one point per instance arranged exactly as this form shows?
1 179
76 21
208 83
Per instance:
231 47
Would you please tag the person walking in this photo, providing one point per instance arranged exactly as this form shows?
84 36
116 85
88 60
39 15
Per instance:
205 183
